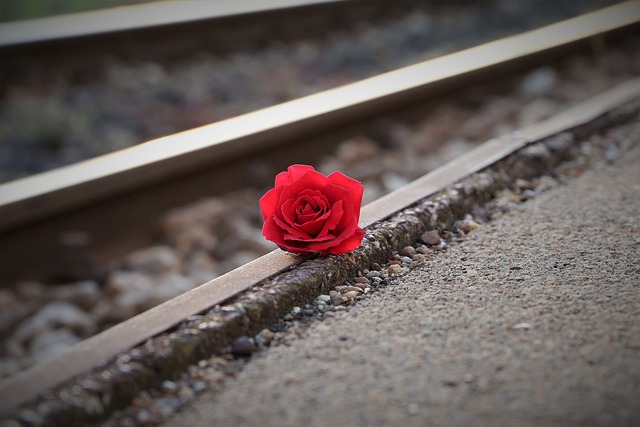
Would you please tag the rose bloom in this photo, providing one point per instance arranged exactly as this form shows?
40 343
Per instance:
308 212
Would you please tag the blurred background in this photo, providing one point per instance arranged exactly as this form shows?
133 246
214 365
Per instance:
15 10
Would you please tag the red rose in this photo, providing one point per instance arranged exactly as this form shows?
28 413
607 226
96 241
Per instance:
308 212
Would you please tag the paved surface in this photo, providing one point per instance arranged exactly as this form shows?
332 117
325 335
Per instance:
533 320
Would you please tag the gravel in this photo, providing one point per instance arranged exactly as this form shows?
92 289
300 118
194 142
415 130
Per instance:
201 241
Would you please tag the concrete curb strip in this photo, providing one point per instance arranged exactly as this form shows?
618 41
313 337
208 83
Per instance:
447 195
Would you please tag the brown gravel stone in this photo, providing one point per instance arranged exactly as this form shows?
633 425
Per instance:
394 269
243 346
408 251
431 237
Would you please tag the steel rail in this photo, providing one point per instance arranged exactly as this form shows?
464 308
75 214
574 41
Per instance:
136 17
92 352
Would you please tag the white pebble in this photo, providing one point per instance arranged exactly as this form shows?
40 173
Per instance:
324 298
522 326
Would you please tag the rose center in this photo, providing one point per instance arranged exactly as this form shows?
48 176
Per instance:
308 209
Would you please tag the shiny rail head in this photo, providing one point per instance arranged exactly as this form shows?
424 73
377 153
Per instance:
136 17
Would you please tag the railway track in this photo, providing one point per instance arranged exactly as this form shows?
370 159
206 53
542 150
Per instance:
145 178
138 84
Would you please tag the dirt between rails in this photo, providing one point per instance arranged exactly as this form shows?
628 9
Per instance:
213 348
200 242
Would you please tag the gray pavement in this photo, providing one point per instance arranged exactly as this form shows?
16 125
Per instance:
533 320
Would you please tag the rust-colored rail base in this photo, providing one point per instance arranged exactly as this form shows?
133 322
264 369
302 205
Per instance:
106 371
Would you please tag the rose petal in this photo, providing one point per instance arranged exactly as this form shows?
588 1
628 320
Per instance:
307 248
313 228
272 232
294 231
269 202
309 241
334 218
293 173
302 249
292 244
285 213
350 243
311 180
354 186
309 206
335 193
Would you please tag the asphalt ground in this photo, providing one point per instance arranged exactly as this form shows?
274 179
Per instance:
532 320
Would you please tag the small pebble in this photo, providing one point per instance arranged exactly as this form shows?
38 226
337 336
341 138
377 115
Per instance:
351 294
338 300
265 337
169 387
468 225
344 289
199 386
143 416
424 250
522 327
523 184
431 237
324 298
243 346
408 251
413 409
363 280
186 394
394 269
